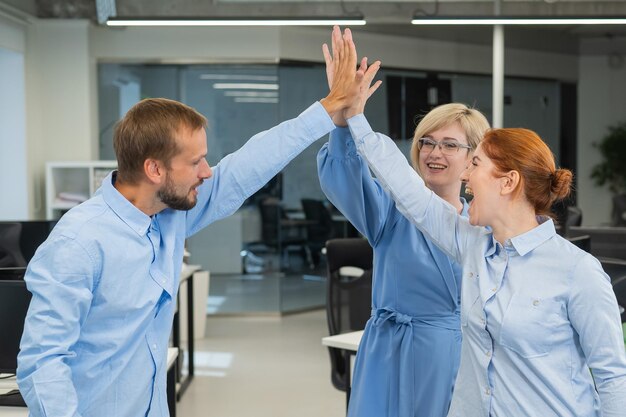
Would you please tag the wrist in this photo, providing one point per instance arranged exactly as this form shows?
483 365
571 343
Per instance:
332 105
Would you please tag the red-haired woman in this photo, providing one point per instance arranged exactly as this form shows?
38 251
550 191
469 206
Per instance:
536 312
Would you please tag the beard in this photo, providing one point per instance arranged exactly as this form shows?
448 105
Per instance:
171 198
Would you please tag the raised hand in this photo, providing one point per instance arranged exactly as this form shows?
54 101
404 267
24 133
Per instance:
365 90
362 78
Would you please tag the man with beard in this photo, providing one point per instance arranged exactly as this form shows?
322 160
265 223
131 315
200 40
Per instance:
104 283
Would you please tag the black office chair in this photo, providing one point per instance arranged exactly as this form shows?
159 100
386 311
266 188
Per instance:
348 298
583 242
614 268
279 235
10 252
619 288
321 230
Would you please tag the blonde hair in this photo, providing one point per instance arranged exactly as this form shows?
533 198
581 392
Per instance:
472 121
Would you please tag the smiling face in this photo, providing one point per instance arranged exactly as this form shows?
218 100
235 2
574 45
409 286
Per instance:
187 170
441 172
481 181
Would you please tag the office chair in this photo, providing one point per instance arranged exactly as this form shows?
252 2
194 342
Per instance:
278 234
10 253
619 288
348 297
322 228
614 268
583 242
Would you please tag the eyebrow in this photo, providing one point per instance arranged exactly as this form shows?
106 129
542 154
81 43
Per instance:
444 138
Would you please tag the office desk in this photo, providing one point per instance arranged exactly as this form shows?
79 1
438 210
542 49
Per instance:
7 385
349 343
13 412
172 370
172 355
186 275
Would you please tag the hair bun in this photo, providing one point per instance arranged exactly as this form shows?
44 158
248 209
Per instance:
561 183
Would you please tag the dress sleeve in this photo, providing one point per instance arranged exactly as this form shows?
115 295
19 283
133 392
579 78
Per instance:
436 219
594 314
240 174
347 182
61 280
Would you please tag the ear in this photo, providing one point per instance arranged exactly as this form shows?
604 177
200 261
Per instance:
509 183
154 170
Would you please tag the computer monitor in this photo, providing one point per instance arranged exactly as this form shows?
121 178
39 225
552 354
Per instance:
14 301
32 234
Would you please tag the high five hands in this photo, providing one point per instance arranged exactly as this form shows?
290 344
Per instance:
342 74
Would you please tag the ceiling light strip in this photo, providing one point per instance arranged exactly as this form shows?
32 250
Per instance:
529 21
238 22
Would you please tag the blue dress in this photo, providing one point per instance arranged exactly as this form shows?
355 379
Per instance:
409 354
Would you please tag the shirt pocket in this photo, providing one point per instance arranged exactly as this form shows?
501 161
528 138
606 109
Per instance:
529 326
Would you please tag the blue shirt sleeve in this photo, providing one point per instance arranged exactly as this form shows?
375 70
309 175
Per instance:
242 173
434 217
594 314
61 281
348 184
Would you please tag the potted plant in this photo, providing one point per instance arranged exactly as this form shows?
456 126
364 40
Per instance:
612 170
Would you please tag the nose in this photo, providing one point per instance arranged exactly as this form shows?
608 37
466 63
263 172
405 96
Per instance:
464 177
206 171
437 150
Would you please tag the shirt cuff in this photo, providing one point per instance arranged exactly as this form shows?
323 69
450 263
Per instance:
317 121
359 127
341 143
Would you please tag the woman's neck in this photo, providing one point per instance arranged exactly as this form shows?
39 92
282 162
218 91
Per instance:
516 219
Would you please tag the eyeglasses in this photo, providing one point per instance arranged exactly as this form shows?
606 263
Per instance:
447 147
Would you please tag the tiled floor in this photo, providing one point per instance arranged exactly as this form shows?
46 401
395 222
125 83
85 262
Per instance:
263 367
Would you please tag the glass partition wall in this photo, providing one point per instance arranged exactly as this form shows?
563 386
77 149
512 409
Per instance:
268 257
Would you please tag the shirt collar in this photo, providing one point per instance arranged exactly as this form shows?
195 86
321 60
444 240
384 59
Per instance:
528 241
124 209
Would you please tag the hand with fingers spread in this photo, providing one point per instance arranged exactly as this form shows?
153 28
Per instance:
363 77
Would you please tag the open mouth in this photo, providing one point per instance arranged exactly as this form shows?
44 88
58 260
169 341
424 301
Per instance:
435 166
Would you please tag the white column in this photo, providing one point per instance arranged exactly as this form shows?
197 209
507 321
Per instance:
498 76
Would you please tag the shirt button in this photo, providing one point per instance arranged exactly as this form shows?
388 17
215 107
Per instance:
487 391
488 353
482 320
494 289
471 274
536 302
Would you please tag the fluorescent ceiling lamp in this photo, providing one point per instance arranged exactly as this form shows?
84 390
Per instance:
239 77
239 21
256 100
235 93
522 20
244 86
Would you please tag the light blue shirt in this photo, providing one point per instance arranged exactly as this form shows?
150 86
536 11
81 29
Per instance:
104 285
536 313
